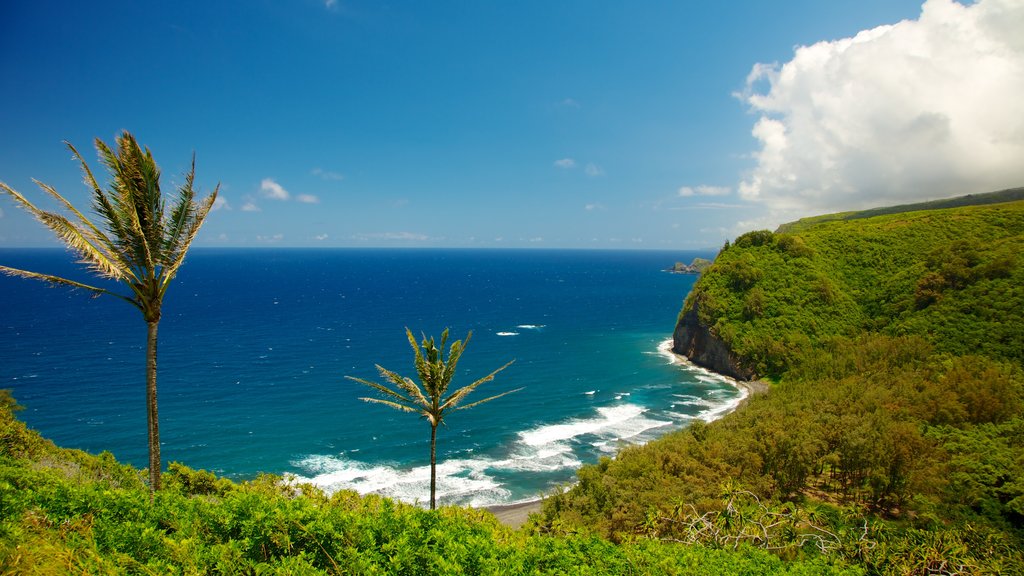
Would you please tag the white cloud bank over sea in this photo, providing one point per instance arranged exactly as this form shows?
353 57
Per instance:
917 110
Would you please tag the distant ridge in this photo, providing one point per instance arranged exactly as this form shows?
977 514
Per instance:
1008 195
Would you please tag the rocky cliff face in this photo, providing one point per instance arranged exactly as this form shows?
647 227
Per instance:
695 341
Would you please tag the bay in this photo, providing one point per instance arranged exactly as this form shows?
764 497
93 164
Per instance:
255 346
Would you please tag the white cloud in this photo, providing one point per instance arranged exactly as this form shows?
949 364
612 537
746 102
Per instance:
687 191
327 174
593 207
593 170
570 103
921 109
536 239
321 237
307 199
250 207
565 163
273 238
330 4
273 190
221 203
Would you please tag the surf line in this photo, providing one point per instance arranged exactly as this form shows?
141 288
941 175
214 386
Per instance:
746 389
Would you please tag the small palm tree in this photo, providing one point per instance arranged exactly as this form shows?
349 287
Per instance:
137 243
435 374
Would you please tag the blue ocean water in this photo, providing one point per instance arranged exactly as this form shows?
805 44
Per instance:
255 345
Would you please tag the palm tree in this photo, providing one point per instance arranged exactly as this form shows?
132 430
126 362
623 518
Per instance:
435 374
137 243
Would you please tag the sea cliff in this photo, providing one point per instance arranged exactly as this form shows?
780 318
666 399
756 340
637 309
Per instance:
768 297
700 345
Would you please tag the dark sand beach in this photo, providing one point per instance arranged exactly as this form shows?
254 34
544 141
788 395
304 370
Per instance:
515 515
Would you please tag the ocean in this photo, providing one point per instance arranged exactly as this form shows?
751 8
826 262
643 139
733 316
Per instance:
255 345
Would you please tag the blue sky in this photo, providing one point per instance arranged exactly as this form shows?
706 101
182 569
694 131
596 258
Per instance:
575 124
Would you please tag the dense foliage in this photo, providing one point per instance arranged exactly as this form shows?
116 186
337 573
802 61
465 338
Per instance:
67 512
954 277
893 432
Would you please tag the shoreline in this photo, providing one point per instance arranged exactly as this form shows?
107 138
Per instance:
746 387
516 515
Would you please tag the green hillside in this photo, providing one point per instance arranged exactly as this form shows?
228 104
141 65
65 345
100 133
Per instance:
892 434
953 276
1000 197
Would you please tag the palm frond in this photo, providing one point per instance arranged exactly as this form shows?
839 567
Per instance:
454 353
181 214
152 199
479 402
80 241
387 392
130 206
394 405
422 367
101 254
457 396
101 203
196 222
406 384
59 281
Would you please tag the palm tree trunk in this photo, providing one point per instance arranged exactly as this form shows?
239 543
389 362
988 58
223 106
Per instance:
433 464
151 412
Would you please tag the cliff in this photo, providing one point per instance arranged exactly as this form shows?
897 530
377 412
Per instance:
769 297
696 341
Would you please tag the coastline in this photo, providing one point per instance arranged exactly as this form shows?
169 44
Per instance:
515 515
747 388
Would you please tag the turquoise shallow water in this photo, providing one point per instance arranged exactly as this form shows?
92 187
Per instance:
255 344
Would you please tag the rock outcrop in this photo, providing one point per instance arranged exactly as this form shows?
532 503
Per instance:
696 341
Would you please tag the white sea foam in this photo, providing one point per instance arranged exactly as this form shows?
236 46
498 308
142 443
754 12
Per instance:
473 480
716 409
530 326
458 480
688 400
508 333
612 423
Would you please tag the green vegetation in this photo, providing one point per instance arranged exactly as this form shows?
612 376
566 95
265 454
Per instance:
435 374
1000 197
892 436
142 247
891 441
67 512
954 277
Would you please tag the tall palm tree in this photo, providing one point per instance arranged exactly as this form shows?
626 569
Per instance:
435 373
137 243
